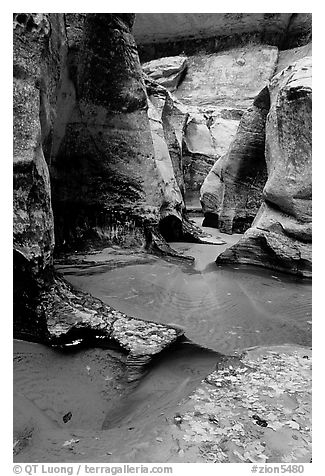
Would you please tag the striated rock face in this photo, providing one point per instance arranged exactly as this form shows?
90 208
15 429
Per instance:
173 203
280 236
38 48
168 34
174 116
104 174
232 192
112 174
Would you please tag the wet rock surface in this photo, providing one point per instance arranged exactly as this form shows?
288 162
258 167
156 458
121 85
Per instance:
72 316
216 422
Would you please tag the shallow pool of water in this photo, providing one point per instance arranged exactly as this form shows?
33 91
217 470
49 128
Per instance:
223 308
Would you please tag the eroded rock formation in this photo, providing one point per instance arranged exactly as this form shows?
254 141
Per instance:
38 49
112 175
168 72
104 175
280 236
46 308
168 34
217 90
117 156
232 192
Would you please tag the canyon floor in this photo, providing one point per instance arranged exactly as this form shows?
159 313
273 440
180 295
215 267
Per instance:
236 388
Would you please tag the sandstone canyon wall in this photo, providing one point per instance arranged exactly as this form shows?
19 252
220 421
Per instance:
232 192
86 166
107 153
167 34
227 137
214 90
103 168
280 236
39 47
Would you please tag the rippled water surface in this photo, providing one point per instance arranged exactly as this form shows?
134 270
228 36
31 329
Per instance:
225 309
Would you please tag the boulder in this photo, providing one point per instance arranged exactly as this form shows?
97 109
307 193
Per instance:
280 236
232 192
73 317
168 72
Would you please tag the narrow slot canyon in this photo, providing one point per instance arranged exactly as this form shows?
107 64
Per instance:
162 238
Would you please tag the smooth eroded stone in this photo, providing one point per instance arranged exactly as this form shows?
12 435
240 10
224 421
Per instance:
199 153
168 72
173 203
232 191
229 78
103 160
280 236
217 90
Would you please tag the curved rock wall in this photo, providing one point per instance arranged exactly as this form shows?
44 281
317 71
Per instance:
216 91
46 309
38 48
81 112
232 192
105 160
112 173
280 236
